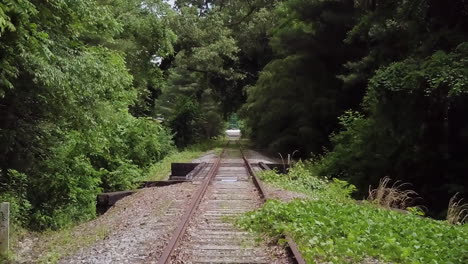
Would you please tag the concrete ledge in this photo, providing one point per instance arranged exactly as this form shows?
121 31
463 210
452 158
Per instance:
182 169
148 184
180 172
109 199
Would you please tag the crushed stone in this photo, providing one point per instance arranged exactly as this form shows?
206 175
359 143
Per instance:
137 229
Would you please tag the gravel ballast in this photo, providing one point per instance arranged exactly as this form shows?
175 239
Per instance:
143 224
134 230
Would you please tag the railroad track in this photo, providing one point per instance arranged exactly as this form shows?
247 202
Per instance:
203 235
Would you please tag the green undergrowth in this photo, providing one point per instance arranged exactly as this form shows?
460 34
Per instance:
161 170
299 179
331 227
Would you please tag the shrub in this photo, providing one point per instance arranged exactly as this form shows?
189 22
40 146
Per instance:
13 188
412 128
110 157
299 178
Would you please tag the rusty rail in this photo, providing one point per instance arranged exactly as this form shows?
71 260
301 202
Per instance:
264 195
179 232
181 228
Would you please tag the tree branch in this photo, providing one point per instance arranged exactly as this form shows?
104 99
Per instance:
252 9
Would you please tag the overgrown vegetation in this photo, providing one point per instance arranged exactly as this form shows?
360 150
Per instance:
376 88
71 73
56 244
332 227
94 94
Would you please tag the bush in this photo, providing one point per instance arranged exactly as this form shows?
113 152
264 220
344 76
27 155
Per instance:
192 121
299 178
110 157
13 186
413 130
65 125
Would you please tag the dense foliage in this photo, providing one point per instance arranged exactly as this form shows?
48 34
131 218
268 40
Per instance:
331 227
93 92
82 84
220 48
294 103
70 73
380 85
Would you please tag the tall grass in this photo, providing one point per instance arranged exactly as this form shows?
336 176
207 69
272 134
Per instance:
457 212
393 196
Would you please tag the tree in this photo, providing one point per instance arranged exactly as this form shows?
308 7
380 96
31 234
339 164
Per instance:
215 58
412 127
65 129
295 102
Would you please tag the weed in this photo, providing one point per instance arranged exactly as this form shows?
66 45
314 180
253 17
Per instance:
392 197
457 212
289 161
300 179
416 210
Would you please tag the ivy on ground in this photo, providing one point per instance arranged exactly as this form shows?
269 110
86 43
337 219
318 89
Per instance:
332 227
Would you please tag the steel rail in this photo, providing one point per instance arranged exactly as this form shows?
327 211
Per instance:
179 232
264 195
